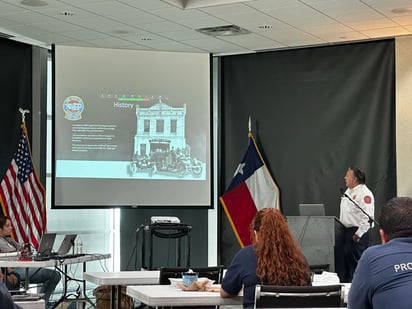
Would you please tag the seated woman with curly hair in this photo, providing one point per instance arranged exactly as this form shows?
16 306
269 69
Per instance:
274 258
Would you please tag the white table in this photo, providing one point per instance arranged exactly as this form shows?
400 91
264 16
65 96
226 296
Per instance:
61 266
122 278
34 304
51 262
168 295
346 288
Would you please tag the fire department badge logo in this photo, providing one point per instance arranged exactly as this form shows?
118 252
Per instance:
73 107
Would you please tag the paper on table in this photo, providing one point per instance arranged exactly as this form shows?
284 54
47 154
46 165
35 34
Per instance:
325 278
199 285
175 281
213 288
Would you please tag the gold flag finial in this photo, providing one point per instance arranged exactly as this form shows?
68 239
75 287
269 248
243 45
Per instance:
23 114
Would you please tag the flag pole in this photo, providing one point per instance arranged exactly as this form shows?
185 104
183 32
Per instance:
23 113
251 189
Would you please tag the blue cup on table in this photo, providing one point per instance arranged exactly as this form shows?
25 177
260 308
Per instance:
189 278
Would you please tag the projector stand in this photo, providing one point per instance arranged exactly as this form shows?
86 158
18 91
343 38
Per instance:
167 230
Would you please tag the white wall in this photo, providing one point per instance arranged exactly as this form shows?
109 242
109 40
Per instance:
403 58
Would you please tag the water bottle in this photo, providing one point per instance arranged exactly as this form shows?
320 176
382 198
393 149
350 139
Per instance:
79 245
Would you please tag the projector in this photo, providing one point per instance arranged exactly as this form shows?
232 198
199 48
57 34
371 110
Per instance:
160 219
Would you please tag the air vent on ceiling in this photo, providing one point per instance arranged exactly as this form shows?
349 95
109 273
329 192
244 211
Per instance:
196 4
223 30
6 36
34 3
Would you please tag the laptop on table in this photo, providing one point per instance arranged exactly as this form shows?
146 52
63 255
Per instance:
45 246
66 244
45 251
64 250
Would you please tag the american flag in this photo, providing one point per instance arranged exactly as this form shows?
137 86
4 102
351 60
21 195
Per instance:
22 196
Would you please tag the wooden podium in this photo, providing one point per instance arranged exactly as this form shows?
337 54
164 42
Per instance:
321 239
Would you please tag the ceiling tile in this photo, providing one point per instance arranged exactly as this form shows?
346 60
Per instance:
155 25
254 42
372 24
386 32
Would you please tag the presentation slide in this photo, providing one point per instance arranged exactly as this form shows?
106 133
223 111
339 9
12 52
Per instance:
131 128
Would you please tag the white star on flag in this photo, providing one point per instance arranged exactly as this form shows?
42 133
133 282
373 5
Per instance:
239 169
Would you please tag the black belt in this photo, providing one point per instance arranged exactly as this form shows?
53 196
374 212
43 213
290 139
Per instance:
352 228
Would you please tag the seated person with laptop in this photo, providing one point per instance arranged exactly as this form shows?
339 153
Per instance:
47 277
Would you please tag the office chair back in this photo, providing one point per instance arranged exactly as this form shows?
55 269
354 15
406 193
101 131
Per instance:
319 268
212 272
270 296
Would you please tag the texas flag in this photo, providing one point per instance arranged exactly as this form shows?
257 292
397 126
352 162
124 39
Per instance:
251 189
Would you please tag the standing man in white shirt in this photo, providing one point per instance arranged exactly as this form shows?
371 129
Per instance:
357 195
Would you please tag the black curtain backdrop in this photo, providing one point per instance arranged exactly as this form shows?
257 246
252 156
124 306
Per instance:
314 112
16 92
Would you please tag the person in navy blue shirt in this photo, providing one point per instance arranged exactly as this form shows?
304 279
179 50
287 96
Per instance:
383 277
6 300
273 259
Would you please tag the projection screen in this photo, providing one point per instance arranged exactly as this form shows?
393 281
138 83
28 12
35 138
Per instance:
131 128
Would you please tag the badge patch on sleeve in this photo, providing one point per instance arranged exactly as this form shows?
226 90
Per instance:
367 199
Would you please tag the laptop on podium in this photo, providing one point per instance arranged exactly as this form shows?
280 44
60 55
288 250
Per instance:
311 209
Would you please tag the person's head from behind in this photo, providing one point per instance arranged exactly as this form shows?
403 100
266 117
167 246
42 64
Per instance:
5 226
354 176
396 219
279 260
268 223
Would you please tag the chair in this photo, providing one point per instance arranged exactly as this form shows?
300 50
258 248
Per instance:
319 268
271 296
212 272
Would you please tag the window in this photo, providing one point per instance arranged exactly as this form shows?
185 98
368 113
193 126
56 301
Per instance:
160 126
173 126
146 126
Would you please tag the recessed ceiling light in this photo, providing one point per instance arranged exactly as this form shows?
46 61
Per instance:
402 10
121 31
34 2
195 4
